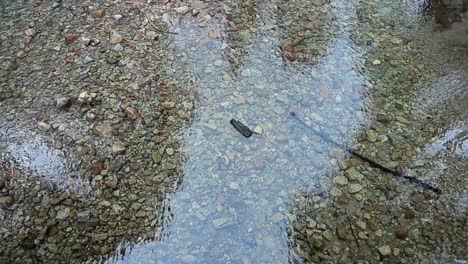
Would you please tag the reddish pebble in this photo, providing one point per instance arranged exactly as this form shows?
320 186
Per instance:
70 39
97 167
98 14
401 234
132 113
111 184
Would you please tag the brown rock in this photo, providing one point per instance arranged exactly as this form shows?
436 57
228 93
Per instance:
132 113
70 39
160 139
111 184
138 5
6 201
115 38
98 14
97 167
288 46
401 234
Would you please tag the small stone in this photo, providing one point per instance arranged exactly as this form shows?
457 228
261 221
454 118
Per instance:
168 105
117 17
182 10
355 188
111 184
31 32
195 12
220 222
341 180
353 175
87 60
62 102
44 126
63 214
401 234
98 14
132 113
385 250
85 41
409 214
335 192
97 167
376 62
258 130
371 136
170 151
160 139
396 41
84 97
118 148
138 5
115 38
70 39
233 186
6 201
113 57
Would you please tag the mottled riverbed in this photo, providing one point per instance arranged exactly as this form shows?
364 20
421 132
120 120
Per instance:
116 144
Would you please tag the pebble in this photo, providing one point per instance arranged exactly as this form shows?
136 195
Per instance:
115 38
98 14
258 130
170 151
118 148
6 201
233 186
355 188
168 105
376 62
341 180
132 113
62 102
182 10
396 41
31 32
84 97
401 234
63 213
44 126
385 250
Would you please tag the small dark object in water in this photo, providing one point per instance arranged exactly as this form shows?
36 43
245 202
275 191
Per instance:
401 174
243 129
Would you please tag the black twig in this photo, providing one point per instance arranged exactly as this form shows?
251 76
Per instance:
373 163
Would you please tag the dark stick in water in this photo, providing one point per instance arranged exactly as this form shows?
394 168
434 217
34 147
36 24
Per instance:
373 163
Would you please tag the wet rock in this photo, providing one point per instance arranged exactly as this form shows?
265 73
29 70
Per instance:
160 139
385 250
355 188
258 130
103 129
111 184
113 57
401 234
70 39
98 14
63 213
341 180
115 38
353 175
168 105
30 32
138 5
132 113
170 151
97 167
62 102
43 126
182 10
396 41
118 148
6 201
84 98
